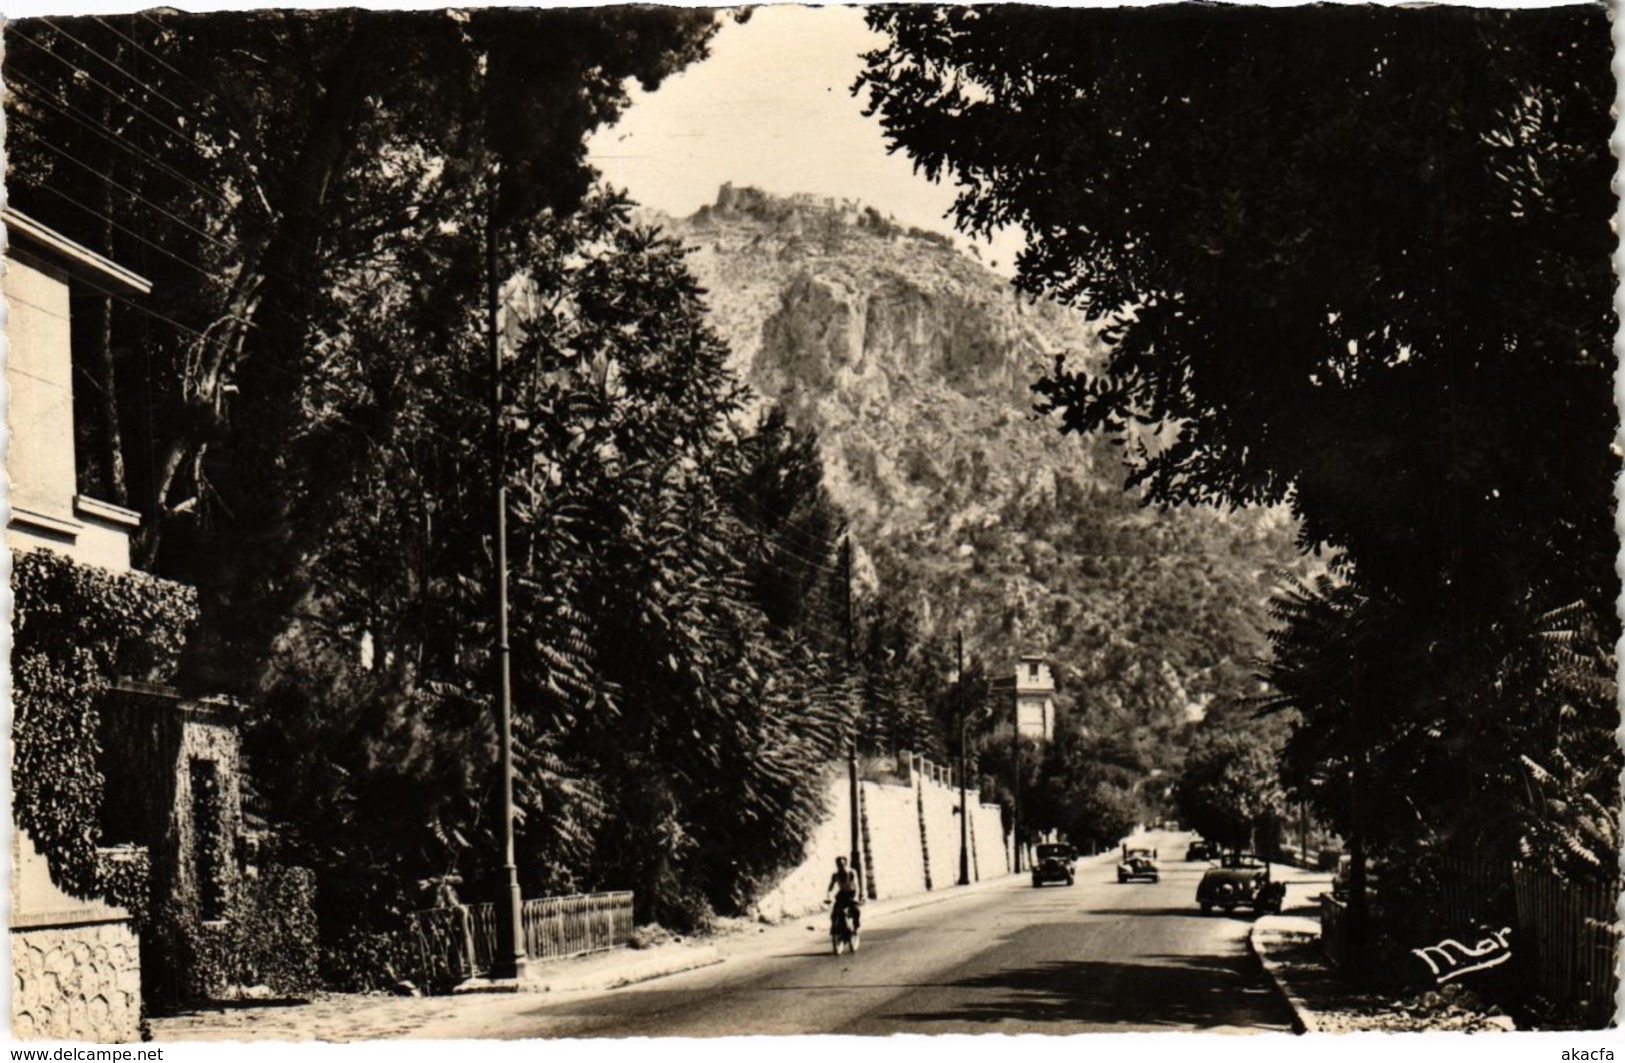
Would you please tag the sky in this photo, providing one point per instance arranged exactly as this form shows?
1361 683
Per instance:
772 108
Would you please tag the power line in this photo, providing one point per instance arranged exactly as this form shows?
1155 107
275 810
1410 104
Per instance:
212 275
152 55
208 274
297 283
145 84
786 549
137 108
42 96
807 540
132 193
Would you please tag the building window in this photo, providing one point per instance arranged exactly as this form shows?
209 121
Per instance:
1032 669
208 857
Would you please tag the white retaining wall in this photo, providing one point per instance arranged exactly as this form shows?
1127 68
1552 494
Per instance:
803 888
989 845
900 849
894 839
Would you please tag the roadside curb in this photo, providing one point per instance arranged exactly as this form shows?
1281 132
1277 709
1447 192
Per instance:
1304 1019
689 958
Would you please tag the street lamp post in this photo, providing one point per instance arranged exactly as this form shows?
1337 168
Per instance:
509 961
964 805
1015 781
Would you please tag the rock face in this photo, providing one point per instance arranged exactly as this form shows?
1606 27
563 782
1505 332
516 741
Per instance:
912 360
914 363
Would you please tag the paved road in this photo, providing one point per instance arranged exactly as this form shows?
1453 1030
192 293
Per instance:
1005 958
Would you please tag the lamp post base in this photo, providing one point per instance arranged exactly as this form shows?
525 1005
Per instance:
510 960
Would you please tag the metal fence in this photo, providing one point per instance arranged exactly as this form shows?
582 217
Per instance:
568 926
1574 933
453 943
458 942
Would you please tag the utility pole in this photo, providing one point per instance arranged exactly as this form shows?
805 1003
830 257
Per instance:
855 856
509 961
1015 779
846 585
964 805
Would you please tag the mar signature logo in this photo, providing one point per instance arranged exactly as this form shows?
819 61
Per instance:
1450 959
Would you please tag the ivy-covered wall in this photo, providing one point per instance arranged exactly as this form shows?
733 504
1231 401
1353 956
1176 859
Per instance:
74 630
268 937
106 752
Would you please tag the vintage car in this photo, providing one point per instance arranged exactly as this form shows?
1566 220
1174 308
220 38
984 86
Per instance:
1053 863
1198 850
1138 863
1240 880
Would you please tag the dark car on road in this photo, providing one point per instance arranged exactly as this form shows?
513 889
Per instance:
1053 863
1240 880
1138 863
1199 850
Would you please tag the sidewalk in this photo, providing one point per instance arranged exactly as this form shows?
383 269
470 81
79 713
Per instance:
346 1017
1289 948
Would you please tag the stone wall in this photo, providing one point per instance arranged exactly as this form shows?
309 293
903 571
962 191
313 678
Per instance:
911 852
802 889
941 833
170 745
894 830
989 845
76 983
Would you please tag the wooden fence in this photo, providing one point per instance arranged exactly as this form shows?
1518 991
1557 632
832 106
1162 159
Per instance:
1573 931
568 926
1474 891
458 942
1565 936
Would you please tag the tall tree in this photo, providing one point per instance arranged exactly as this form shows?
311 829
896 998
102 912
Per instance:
1351 259
266 165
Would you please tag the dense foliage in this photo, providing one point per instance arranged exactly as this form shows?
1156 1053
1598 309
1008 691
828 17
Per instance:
1355 260
278 174
342 213
672 711
1151 621
75 630
1229 789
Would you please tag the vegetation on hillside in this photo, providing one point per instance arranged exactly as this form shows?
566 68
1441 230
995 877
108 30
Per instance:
970 514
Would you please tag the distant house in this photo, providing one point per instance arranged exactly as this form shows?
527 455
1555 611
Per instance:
1035 699
1031 688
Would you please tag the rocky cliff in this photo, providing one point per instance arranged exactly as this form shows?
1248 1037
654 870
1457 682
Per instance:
913 361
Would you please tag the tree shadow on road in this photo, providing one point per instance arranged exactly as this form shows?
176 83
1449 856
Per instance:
1161 991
